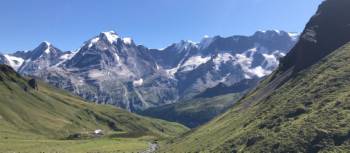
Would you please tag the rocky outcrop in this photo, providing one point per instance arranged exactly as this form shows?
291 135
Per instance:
33 84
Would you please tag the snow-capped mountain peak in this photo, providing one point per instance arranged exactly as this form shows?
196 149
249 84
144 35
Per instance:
44 44
47 45
186 44
45 48
110 36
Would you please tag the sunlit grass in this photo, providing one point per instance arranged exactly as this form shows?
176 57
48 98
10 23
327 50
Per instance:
74 146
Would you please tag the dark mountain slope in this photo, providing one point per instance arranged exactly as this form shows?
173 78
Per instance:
223 89
194 112
327 30
203 107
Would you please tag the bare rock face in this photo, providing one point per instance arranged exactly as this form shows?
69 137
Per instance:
327 30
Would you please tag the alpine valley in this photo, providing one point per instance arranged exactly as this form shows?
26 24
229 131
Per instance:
271 92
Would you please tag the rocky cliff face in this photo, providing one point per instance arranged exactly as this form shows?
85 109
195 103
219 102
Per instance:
327 30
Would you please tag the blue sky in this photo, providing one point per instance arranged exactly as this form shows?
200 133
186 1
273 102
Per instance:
153 23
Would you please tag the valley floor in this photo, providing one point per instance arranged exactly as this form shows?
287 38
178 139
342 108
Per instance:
124 145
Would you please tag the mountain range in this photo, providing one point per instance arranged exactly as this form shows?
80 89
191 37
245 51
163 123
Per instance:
109 69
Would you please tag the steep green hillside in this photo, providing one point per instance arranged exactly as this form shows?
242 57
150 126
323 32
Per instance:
194 112
44 112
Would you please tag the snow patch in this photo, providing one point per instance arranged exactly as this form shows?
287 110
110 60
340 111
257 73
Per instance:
48 46
277 31
47 43
117 57
274 30
243 60
110 36
161 49
93 41
127 41
138 83
95 74
224 79
14 62
193 62
253 49
172 72
257 71
294 35
246 64
67 56
272 61
222 58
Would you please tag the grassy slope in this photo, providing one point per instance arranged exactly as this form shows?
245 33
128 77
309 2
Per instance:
50 113
194 112
308 113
